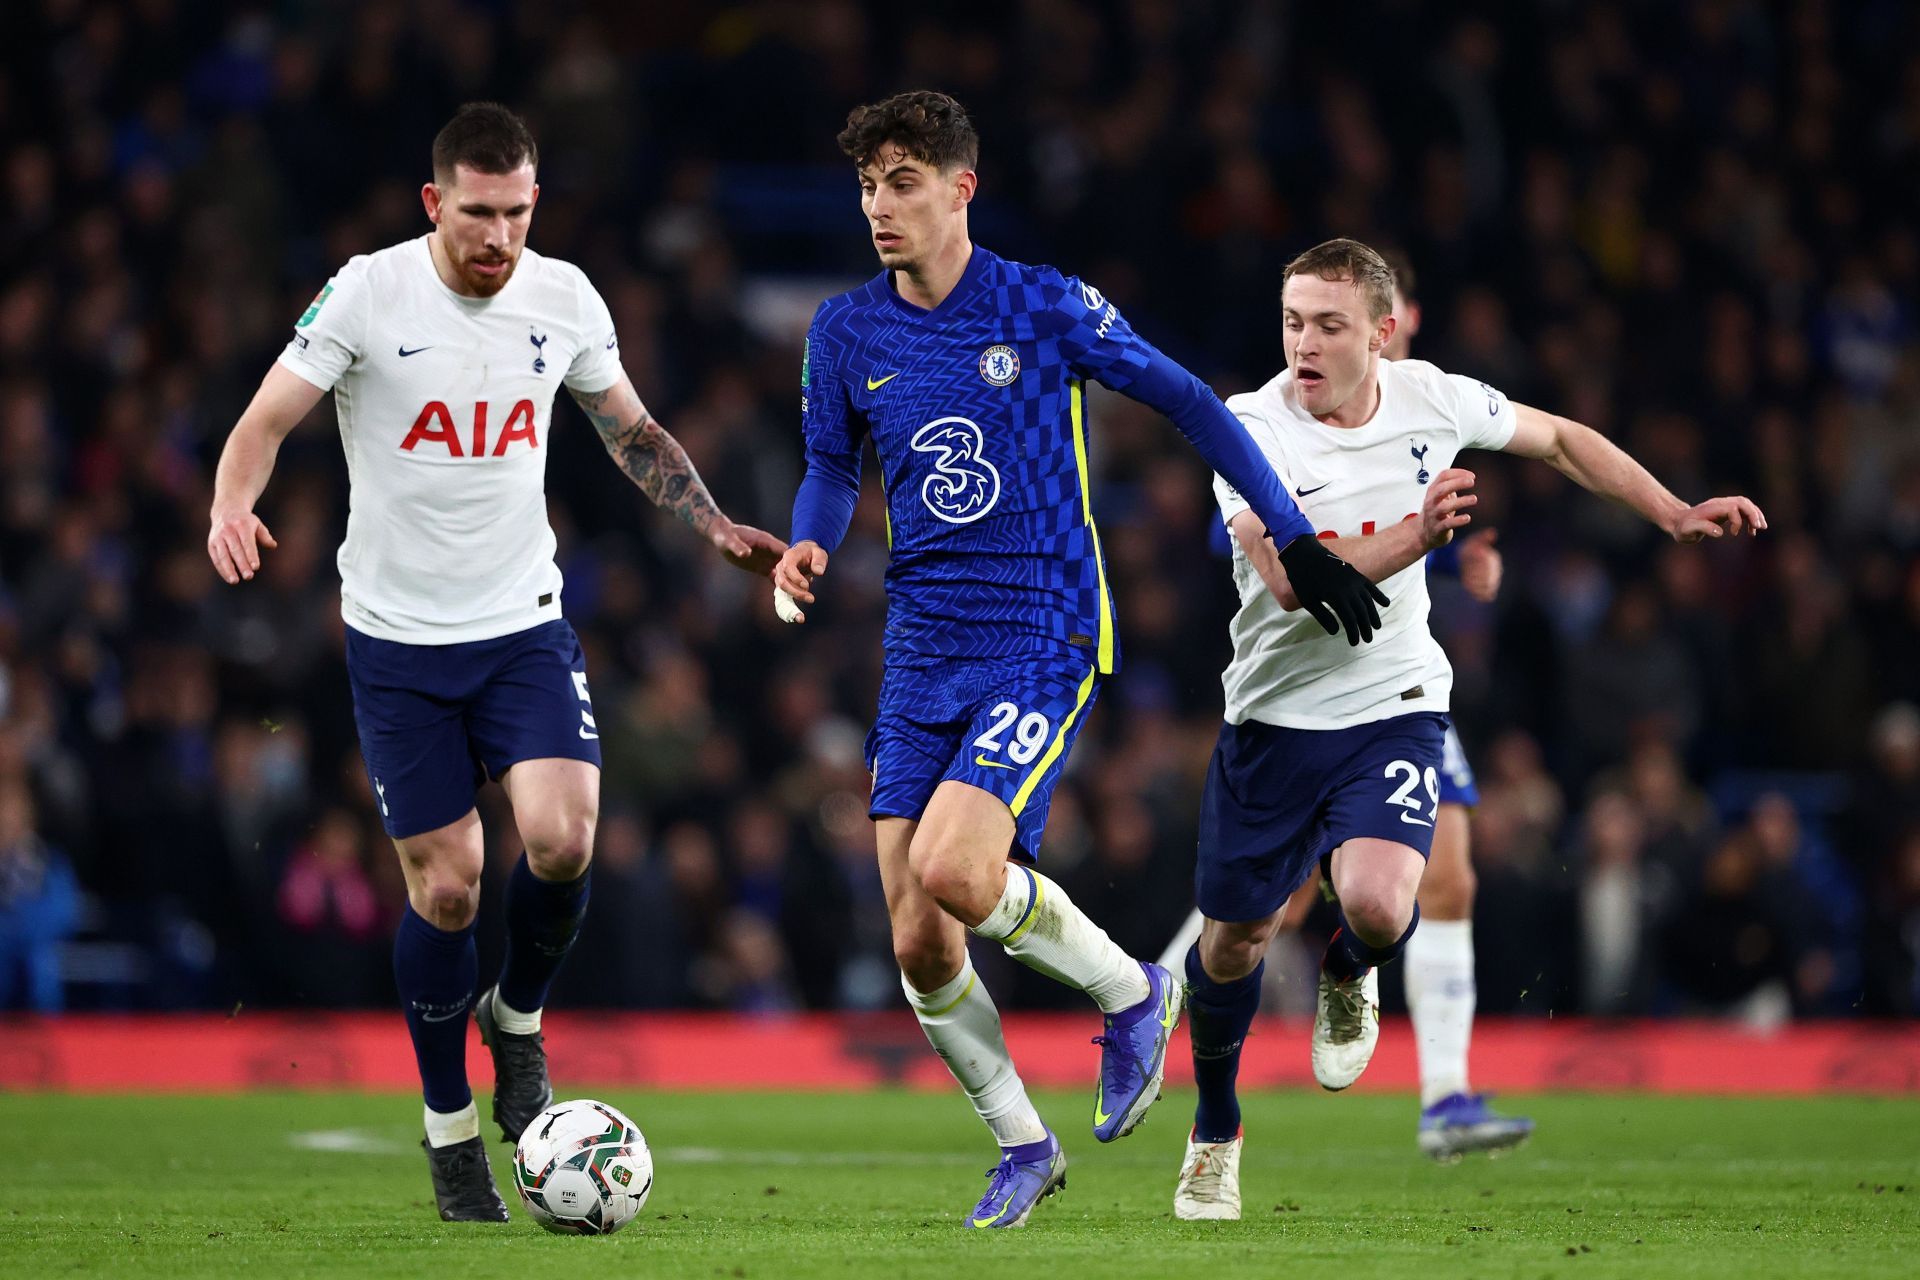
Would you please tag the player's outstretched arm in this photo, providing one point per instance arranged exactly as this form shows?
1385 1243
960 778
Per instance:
656 463
246 463
1376 555
1598 465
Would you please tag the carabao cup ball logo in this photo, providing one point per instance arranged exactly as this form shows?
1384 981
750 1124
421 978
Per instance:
1000 365
964 486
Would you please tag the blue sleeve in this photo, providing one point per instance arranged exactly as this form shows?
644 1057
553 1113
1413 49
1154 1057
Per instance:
1445 561
823 508
1098 343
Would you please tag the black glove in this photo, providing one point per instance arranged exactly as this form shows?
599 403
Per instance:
1329 588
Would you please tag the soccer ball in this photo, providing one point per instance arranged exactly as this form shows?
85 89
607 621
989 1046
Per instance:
583 1168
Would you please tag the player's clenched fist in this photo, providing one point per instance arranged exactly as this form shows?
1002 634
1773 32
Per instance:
1480 566
234 544
1445 508
803 562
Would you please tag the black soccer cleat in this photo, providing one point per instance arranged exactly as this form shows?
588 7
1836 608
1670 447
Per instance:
463 1182
521 1089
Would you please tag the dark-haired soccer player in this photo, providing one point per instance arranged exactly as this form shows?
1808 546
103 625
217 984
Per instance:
444 355
968 372
1327 751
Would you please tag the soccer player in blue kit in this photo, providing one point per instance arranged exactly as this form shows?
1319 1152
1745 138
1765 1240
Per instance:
968 372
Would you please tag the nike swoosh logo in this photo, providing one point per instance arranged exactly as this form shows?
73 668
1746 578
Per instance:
1418 822
1100 1117
1167 1015
1301 493
404 353
442 1017
991 764
875 386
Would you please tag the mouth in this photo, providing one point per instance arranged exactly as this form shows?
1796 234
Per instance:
885 240
491 267
1309 378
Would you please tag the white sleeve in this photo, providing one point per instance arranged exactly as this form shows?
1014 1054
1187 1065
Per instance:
1231 503
332 332
1484 414
596 365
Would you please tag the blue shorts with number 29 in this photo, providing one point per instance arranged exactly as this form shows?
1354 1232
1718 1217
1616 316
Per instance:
1277 799
1003 725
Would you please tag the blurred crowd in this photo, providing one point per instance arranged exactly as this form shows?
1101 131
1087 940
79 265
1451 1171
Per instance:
1694 226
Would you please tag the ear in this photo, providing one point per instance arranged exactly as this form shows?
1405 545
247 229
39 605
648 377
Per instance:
430 197
965 183
1382 333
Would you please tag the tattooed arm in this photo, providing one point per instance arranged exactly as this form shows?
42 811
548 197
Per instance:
656 463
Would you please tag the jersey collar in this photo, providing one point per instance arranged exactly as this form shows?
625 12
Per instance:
968 284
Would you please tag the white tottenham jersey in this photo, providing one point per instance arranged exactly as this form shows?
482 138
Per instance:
1350 481
444 405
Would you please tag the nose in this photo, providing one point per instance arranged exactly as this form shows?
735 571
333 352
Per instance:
497 234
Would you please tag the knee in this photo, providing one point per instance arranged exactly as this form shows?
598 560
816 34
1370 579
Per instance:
926 958
446 899
1230 958
1378 916
1446 892
958 883
560 848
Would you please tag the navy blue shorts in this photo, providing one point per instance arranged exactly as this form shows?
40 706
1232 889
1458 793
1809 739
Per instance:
437 720
1456 775
1277 799
1004 726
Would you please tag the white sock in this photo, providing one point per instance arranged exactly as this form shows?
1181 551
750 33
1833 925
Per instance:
443 1130
963 1027
1041 928
511 1020
1440 996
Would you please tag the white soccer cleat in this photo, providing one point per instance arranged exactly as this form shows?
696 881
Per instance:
1346 1027
1209 1188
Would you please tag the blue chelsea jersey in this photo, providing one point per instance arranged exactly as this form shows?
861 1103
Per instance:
977 413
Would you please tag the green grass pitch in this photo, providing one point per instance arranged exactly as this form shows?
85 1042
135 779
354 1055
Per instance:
846 1186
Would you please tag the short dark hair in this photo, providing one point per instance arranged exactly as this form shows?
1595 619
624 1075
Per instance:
1348 260
487 138
928 126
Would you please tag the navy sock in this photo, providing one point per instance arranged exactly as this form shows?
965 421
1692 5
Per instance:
1218 1017
1348 957
436 972
543 919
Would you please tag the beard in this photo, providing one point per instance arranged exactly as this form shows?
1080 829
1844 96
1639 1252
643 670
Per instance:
482 284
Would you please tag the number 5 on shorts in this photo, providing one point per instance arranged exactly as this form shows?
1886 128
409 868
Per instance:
588 729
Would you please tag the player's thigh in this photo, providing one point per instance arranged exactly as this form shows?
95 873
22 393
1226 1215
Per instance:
535 705
1447 887
409 709
1258 838
556 803
929 945
1379 817
1376 881
960 848
1232 949
442 869
1020 730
